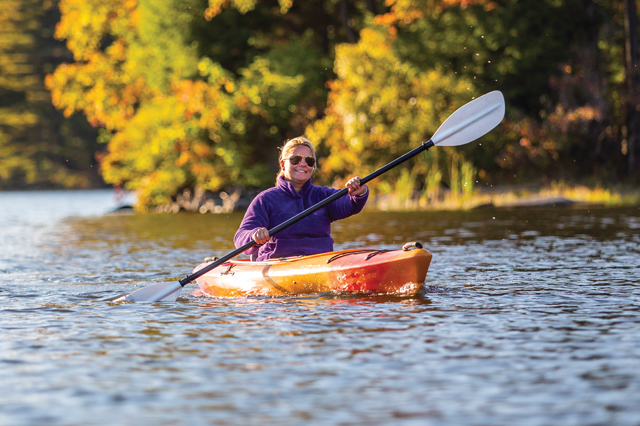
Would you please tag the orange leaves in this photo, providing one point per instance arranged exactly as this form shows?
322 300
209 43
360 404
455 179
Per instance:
99 84
535 142
398 17
210 104
215 7
98 88
574 119
405 12
192 94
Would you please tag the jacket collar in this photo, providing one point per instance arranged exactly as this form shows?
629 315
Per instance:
287 187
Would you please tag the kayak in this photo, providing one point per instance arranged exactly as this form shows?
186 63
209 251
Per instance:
370 271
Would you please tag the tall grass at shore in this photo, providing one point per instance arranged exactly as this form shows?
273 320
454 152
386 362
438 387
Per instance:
461 193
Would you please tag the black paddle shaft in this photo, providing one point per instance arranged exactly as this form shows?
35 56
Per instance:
425 146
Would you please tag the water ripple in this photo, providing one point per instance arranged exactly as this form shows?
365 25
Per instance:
531 318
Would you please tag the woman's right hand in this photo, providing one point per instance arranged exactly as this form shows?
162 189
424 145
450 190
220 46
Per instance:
261 236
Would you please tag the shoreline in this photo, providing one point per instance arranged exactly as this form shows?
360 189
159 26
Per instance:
515 197
499 197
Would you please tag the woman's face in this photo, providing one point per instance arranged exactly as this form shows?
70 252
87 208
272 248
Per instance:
301 172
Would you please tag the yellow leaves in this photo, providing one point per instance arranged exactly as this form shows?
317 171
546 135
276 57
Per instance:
161 149
285 5
180 120
216 6
84 22
151 154
213 71
212 105
151 190
258 79
174 118
381 101
98 89
100 84
11 118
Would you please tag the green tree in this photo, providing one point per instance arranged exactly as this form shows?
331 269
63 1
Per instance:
199 93
559 64
632 78
380 107
38 148
180 107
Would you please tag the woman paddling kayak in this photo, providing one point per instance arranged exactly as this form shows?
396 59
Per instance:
292 194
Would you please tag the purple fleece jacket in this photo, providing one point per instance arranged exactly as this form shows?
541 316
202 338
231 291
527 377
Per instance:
310 235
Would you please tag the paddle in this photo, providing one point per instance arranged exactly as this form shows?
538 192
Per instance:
466 124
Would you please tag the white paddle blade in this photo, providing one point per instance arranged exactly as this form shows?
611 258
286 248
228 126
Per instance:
471 121
163 292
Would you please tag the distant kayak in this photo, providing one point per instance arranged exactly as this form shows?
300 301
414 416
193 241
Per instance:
370 271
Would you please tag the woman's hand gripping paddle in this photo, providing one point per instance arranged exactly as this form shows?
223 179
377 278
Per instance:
465 125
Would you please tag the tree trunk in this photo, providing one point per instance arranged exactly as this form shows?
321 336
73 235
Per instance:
344 12
594 85
632 77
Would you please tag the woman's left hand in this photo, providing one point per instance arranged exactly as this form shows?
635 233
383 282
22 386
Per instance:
355 189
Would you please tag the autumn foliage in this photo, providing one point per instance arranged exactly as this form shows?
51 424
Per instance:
199 94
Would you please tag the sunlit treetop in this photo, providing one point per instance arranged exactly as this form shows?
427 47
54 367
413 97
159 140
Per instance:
243 6
404 12
85 23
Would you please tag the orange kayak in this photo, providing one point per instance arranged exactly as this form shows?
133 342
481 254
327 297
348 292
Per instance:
370 271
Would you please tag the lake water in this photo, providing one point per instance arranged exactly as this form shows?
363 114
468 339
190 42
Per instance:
530 317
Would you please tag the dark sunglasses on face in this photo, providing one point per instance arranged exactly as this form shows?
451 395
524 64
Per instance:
296 159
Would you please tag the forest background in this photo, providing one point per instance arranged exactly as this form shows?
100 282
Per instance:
167 97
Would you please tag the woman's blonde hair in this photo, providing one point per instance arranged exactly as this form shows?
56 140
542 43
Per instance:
287 150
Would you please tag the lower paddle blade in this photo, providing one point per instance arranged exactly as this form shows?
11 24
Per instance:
163 292
471 121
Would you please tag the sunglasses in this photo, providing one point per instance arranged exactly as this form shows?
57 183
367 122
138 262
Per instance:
296 159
